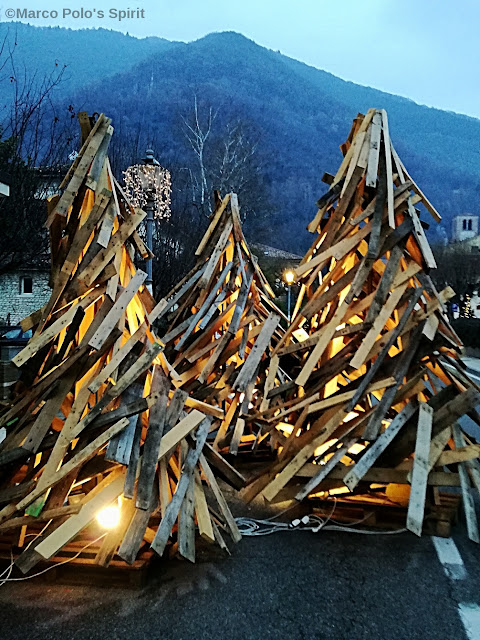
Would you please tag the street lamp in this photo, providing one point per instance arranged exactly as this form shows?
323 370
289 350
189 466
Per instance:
149 187
289 278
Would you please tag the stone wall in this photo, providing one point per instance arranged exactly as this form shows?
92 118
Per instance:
18 304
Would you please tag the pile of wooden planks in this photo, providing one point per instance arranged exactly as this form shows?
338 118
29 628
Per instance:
218 326
376 387
96 422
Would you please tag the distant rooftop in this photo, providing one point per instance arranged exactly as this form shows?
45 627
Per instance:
272 252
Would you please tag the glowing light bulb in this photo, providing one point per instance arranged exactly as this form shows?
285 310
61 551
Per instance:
109 517
289 276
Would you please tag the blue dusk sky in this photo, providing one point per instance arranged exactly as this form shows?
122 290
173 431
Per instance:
427 51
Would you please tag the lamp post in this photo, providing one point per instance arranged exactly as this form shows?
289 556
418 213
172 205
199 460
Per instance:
148 184
289 278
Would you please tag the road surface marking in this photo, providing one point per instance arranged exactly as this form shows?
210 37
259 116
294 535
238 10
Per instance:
450 558
470 617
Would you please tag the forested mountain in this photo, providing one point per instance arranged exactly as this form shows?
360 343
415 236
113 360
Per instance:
271 125
88 54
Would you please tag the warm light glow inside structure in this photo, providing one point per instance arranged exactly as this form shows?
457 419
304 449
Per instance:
109 517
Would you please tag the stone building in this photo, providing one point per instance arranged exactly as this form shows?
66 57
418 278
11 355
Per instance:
4 187
464 227
22 291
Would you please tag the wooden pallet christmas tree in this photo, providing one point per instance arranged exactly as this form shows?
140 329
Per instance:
219 324
96 423
376 386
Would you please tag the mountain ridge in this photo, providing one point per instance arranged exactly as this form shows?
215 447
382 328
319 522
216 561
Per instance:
302 114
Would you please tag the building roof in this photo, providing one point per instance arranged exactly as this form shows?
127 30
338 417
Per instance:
273 252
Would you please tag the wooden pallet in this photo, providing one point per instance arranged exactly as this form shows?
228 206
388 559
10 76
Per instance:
82 568
439 518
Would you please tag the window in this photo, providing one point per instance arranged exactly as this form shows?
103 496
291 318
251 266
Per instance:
464 225
469 225
26 285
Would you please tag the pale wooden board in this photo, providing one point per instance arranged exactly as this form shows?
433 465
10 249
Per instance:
468 503
171 514
368 459
117 310
418 492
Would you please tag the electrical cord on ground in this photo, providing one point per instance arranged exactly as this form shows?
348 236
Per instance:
258 527
53 566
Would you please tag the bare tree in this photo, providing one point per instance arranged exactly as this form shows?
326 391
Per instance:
33 137
227 158
197 131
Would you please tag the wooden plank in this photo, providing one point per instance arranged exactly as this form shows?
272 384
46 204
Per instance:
117 359
404 361
80 173
368 459
205 306
373 155
120 447
80 458
72 527
213 224
258 350
338 251
151 447
418 492
237 436
468 503
377 327
325 469
386 348
171 514
341 398
43 422
212 263
388 164
224 468
171 439
134 534
382 475
421 237
117 310
205 528
186 523
133 460
277 484
269 382
91 272
164 306
222 503
38 342
462 454
106 228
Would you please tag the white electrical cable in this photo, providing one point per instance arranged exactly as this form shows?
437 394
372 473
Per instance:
256 527
315 523
54 566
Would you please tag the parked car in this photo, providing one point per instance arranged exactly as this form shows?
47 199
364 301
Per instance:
12 341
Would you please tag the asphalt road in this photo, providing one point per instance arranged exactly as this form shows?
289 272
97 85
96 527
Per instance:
296 585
